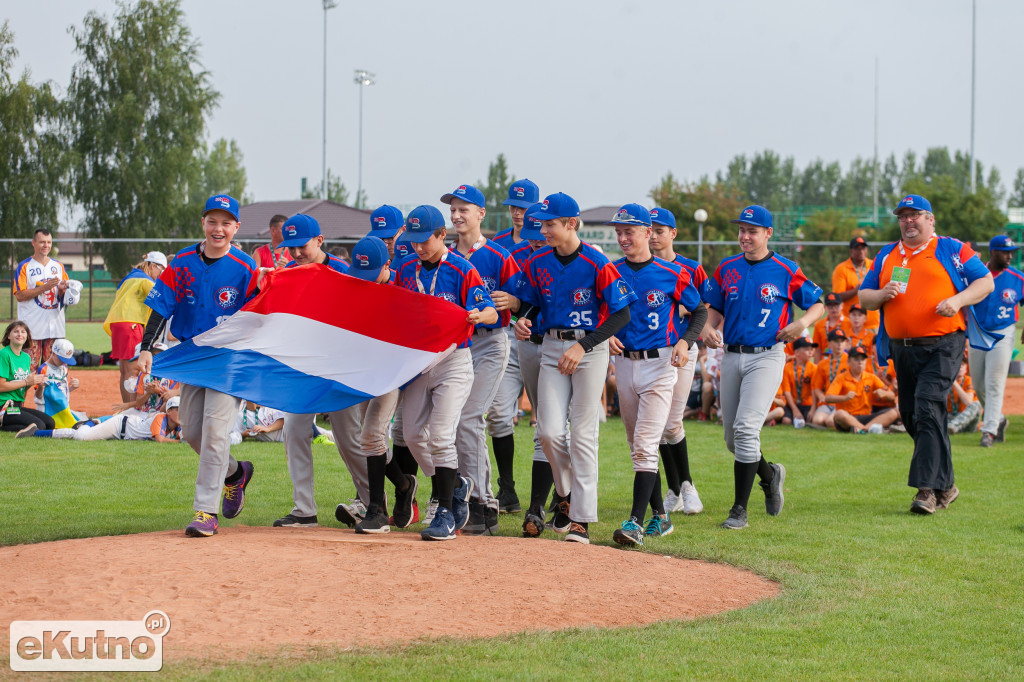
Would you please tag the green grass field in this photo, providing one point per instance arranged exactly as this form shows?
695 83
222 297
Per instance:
869 590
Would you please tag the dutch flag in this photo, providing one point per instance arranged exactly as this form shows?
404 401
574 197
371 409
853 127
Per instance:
315 340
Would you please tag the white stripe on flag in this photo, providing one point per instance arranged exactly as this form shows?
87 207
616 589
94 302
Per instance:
323 350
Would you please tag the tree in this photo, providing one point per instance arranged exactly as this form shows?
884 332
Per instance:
223 172
33 162
496 191
336 192
138 102
1017 197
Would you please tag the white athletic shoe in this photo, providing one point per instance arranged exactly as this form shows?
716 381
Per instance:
431 510
672 502
875 428
691 500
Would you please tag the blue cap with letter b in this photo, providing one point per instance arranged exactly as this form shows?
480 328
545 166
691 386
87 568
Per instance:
532 224
222 202
558 205
386 221
421 223
467 193
631 214
914 201
755 215
1001 242
522 193
368 258
663 216
299 229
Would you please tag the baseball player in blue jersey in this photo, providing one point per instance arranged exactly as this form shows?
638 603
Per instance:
998 313
433 402
646 375
682 494
581 301
751 297
522 194
501 415
489 350
201 286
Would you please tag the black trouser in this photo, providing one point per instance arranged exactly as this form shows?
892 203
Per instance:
16 422
925 376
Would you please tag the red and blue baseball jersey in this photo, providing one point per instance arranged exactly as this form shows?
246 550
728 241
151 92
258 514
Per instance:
660 288
498 271
755 299
196 296
521 253
580 295
695 270
506 239
333 262
454 279
999 309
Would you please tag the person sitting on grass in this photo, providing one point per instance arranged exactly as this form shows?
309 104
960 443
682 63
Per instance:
850 393
151 392
778 408
16 377
963 406
163 427
58 384
260 423
824 374
796 384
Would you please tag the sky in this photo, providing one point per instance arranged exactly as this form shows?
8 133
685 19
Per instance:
595 98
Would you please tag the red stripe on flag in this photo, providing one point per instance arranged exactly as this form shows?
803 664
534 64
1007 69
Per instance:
381 311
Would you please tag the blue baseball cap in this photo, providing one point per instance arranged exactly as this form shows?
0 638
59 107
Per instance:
466 193
631 214
402 247
1001 242
421 223
558 206
222 202
522 193
368 258
663 216
531 224
758 216
386 221
914 201
299 229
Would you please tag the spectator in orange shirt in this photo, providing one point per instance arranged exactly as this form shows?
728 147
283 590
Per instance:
851 393
963 407
824 374
860 333
796 384
778 409
848 275
834 319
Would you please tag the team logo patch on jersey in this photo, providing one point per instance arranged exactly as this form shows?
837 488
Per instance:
581 296
768 293
956 262
1009 296
489 283
448 296
227 297
623 289
655 298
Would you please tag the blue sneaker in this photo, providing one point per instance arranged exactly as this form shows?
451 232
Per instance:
659 526
442 527
460 502
630 534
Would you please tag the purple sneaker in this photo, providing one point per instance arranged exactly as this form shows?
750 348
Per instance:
203 525
234 495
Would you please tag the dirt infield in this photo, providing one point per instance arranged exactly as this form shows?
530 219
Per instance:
255 590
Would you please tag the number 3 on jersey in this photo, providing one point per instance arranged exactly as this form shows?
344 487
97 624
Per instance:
577 318
653 324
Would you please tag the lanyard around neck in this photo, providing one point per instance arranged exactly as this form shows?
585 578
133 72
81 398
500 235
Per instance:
437 271
903 251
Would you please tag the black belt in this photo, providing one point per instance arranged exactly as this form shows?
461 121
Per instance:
536 339
567 334
641 354
917 341
124 425
749 350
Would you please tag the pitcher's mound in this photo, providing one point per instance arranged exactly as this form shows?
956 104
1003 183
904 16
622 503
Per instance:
258 589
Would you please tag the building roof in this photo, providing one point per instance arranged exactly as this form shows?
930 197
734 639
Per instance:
337 221
598 215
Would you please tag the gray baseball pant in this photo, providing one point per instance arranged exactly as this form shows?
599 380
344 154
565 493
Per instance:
645 398
397 432
502 413
675 431
298 448
432 405
207 417
988 374
748 386
529 365
490 354
373 438
578 396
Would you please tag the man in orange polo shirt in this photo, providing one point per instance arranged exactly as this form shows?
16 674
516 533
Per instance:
851 392
848 275
924 285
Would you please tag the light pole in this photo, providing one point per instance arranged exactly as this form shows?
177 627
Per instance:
974 21
701 216
328 4
362 79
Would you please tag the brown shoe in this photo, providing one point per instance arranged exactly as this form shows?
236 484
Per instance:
944 498
924 503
